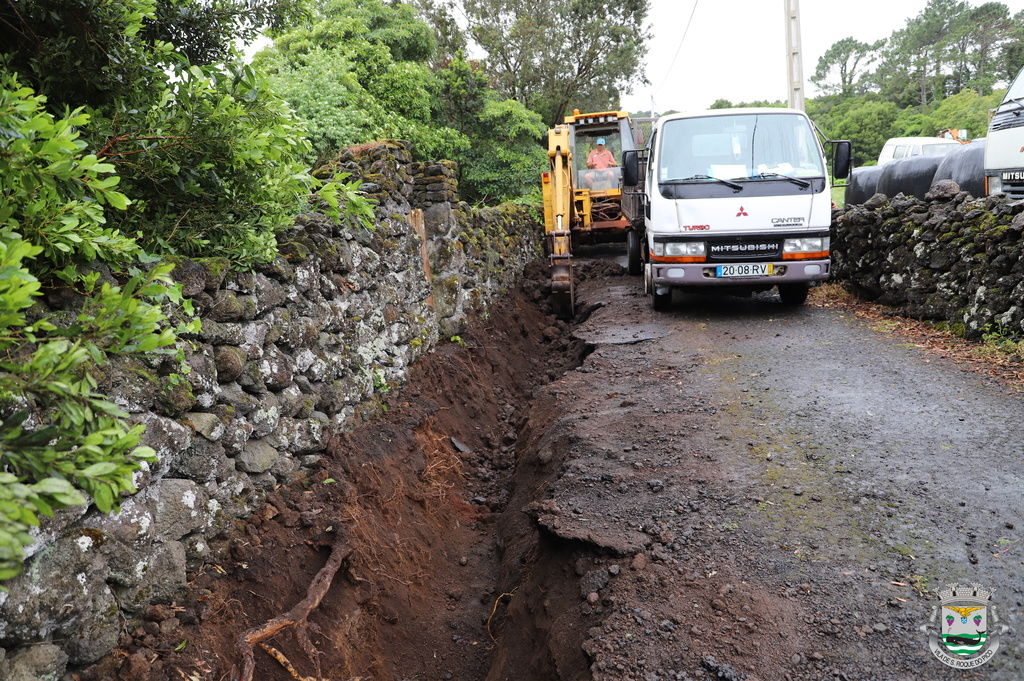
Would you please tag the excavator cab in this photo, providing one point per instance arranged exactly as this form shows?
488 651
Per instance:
598 190
583 191
599 145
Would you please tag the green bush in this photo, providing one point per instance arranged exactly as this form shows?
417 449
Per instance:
358 72
213 161
324 89
506 162
215 165
61 441
50 193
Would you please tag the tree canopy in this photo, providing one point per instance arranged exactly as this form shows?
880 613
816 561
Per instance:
367 69
939 70
555 55
846 60
946 47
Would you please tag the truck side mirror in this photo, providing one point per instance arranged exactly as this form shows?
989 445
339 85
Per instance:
630 168
842 159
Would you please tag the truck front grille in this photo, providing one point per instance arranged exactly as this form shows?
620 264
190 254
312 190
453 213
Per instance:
1014 189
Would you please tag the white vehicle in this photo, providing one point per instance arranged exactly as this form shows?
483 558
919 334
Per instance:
1004 150
733 199
906 147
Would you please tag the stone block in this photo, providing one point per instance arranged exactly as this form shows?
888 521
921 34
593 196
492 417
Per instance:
166 437
153 576
62 594
258 456
228 306
202 375
249 336
178 507
265 417
236 433
42 662
229 361
200 461
242 402
206 424
298 436
129 383
189 273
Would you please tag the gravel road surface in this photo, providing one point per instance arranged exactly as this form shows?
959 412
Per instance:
778 492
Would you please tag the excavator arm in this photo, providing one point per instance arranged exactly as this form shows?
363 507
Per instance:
558 214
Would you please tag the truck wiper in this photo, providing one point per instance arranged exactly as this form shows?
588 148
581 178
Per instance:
735 187
804 184
1019 101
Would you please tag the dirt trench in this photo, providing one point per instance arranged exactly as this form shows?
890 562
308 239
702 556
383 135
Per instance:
448 577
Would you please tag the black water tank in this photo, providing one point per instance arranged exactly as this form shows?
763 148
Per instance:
862 184
910 176
966 167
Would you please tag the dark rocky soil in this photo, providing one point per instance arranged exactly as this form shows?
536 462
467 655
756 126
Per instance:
730 490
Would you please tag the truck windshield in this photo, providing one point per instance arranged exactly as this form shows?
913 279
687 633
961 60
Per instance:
738 147
1016 90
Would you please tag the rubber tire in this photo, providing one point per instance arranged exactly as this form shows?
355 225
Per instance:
793 294
661 301
633 253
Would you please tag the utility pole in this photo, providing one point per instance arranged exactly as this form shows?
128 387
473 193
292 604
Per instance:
794 59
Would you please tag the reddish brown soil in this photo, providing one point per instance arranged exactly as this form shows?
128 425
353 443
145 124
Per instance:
414 599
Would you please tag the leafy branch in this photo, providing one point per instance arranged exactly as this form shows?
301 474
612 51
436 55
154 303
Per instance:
62 443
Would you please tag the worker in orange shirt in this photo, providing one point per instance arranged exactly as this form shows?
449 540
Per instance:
600 162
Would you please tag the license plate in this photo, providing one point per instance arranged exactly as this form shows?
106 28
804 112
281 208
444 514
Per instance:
745 270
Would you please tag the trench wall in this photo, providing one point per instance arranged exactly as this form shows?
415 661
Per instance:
287 354
949 257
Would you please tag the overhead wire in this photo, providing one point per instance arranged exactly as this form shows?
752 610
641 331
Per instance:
679 47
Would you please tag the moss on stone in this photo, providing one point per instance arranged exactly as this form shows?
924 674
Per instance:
216 268
175 396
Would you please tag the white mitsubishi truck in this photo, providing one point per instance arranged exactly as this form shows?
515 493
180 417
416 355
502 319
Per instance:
737 200
1004 148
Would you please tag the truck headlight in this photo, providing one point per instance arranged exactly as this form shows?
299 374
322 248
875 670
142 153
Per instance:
995 184
684 248
810 244
805 248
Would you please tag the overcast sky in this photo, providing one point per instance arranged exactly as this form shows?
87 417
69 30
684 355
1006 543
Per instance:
736 49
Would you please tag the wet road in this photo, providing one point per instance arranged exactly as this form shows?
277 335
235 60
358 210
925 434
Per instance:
825 474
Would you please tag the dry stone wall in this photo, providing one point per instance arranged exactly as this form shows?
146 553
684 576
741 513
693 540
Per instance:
286 354
949 258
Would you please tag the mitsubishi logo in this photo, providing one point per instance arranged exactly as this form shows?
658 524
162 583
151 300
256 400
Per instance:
742 212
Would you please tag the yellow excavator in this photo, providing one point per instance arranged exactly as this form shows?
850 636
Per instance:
583 194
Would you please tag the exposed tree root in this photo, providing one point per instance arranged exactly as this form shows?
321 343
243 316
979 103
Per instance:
280 657
296 617
503 598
